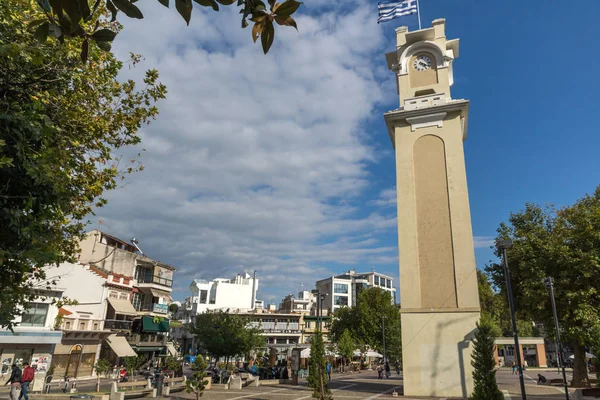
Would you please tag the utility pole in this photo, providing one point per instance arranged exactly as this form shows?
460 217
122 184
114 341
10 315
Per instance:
384 354
561 363
503 245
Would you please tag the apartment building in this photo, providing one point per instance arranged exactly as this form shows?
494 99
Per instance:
343 290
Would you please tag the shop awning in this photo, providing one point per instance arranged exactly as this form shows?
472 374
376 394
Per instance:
122 307
171 349
120 346
160 293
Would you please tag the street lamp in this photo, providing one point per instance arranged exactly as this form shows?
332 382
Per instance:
503 245
320 297
549 284
384 355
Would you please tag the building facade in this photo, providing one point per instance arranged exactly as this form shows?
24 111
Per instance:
343 290
35 338
237 294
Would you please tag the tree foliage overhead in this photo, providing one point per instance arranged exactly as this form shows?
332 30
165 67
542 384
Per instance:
226 335
365 322
484 365
563 244
61 125
66 19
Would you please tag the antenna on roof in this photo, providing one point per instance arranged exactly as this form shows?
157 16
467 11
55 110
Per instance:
135 242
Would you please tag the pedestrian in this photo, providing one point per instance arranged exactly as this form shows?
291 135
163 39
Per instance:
15 382
387 370
328 370
379 372
525 365
26 378
514 368
397 367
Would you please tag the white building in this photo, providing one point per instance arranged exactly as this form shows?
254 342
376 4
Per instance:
34 338
343 290
237 294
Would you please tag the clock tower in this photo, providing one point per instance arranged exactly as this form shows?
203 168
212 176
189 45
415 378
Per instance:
438 278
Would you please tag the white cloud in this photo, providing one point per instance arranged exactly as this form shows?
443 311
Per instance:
387 198
483 242
257 162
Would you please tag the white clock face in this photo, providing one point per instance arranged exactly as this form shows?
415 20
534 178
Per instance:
422 63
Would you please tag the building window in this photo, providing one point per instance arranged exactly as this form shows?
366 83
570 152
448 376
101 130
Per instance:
124 296
113 294
340 300
376 280
82 326
203 296
35 315
388 283
340 288
68 325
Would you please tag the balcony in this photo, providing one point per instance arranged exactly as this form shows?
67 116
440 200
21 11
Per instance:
150 278
117 325
147 340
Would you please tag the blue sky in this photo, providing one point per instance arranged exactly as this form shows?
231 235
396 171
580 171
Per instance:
282 163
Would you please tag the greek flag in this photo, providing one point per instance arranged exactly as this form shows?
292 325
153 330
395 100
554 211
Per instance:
395 9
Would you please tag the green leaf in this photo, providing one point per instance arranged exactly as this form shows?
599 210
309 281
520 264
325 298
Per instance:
111 7
128 9
57 7
271 3
36 22
84 9
241 2
184 8
164 3
286 21
84 50
267 36
104 45
208 3
104 35
287 8
244 23
41 33
96 5
226 2
44 5
72 9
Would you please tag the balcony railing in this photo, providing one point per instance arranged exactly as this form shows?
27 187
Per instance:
141 340
150 278
117 325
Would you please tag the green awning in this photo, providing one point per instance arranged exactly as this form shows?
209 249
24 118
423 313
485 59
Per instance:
155 324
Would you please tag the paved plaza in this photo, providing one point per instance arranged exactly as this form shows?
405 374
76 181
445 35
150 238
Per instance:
366 386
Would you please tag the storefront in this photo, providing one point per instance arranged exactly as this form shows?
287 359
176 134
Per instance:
77 353
35 348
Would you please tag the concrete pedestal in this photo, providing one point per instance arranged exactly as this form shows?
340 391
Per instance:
436 352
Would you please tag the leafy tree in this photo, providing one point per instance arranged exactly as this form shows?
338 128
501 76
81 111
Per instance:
226 335
78 18
365 320
101 367
62 125
133 363
484 365
345 346
317 376
197 382
173 364
173 308
563 244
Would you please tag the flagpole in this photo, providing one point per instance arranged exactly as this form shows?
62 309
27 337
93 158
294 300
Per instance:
419 14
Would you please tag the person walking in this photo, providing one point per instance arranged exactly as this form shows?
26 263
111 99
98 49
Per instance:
15 382
379 372
387 370
328 370
514 368
26 378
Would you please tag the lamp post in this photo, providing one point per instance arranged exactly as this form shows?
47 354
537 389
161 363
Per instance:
384 354
503 245
561 363
322 297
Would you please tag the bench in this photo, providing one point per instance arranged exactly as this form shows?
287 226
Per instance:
136 389
171 385
584 394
